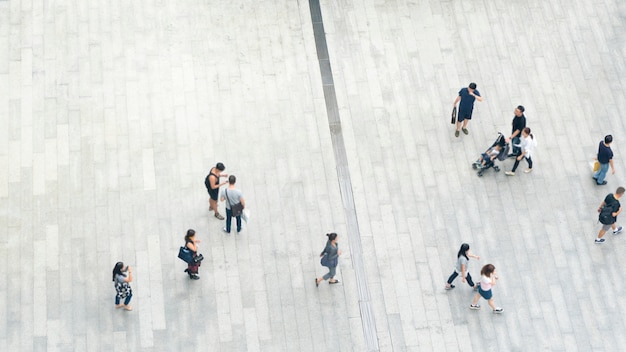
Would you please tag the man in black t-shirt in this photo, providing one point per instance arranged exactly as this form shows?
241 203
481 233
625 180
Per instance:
605 158
612 201
518 124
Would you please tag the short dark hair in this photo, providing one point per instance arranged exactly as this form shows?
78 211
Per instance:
232 179
620 190
608 139
220 166
472 85
521 108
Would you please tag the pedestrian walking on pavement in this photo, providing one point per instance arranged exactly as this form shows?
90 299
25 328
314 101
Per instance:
191 242
609 210
488 279
122 277
330 259
605 158
466 97
518 125
212 183
527 145
462 261
234 203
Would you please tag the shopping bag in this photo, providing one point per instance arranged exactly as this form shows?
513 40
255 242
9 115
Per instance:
453 115
596 166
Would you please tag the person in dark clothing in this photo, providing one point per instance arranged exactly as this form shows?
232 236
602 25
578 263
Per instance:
605 158
192 244
212 183
332 252
518 124
611 201
466 97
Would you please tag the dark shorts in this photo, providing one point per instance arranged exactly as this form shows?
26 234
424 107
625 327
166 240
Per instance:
213 193
485 294
464 115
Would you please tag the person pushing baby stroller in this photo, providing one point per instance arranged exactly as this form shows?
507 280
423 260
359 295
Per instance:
498 150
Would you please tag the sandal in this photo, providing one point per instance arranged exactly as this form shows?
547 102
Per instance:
219 216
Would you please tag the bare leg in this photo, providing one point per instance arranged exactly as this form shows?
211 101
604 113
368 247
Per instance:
476 298
491 304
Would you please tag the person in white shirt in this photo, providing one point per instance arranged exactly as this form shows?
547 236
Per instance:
527 145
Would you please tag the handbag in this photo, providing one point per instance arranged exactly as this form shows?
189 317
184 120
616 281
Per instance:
453 115
186 255
596 166
235 209
324 261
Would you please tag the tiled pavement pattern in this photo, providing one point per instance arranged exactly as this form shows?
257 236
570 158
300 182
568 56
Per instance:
112 112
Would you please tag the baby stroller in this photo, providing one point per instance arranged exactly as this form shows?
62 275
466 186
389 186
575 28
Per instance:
498 150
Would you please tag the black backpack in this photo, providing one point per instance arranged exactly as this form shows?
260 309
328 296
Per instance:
606 214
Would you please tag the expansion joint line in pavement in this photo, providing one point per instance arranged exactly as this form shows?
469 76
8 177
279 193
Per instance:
343 174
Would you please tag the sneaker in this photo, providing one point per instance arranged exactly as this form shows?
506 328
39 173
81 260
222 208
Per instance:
456 133
599 240
195 277
449 287
510 173
224 229
619 230
601 183
498 310
465 131
528 170
474 306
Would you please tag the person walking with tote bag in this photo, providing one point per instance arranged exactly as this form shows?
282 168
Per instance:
330 259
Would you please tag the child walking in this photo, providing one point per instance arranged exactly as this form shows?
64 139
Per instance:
462 259
488 279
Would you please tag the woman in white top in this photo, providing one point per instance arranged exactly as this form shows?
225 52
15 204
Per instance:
488 279
527 144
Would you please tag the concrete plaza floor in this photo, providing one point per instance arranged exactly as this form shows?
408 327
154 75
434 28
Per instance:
114 111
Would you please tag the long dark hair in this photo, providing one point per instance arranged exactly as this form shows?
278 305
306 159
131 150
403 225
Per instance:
189 235
331 236
463 251
117 270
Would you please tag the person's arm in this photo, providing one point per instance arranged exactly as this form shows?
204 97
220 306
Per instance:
214 182
514 134
615 214
612 167
242 201
129 278
463 272
192 246
476 96
601 206
457 100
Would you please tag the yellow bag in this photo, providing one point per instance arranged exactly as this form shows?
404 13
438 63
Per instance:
596 166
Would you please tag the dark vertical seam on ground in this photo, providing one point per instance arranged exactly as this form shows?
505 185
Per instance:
343 174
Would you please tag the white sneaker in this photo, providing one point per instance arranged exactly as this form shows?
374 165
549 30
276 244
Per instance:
510 173
618 230
528 170
498 310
